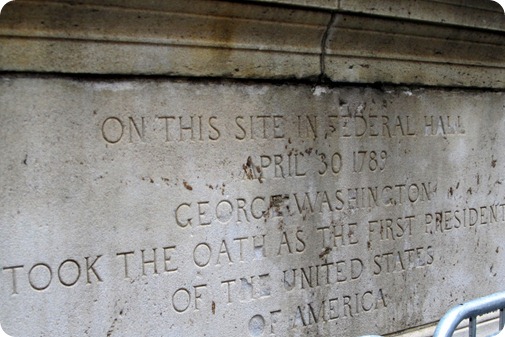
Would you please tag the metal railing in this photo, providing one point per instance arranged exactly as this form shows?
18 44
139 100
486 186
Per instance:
470 310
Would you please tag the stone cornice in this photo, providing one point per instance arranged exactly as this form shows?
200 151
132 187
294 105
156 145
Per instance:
440 43
483 14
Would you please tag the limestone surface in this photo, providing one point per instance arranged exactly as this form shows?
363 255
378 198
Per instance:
155 207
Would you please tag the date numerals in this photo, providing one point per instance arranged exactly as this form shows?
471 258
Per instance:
369 161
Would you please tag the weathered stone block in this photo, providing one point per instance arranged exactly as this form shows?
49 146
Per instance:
189 208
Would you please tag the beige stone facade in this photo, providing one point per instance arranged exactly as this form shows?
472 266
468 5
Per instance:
261 168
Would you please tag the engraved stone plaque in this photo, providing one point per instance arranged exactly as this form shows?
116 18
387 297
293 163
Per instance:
176 208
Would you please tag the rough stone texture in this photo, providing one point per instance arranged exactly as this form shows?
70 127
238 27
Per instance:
471 13
201 38
438 43
368 50
467 13
286 210
151 206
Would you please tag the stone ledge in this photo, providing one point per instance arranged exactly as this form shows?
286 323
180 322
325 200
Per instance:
467 13
259 40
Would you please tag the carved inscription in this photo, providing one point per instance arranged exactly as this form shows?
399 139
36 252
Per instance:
285 216
348 123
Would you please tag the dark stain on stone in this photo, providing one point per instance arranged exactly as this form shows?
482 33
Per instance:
324 253
188 186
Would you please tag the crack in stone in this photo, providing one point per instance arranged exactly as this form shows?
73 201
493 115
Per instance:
324 42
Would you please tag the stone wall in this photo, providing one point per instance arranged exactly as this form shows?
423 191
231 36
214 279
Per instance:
262 168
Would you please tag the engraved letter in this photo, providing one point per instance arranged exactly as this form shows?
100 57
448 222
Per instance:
166 258
153 262
40 287
177 215
69 283
91 268
14 282
125 254
113 131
